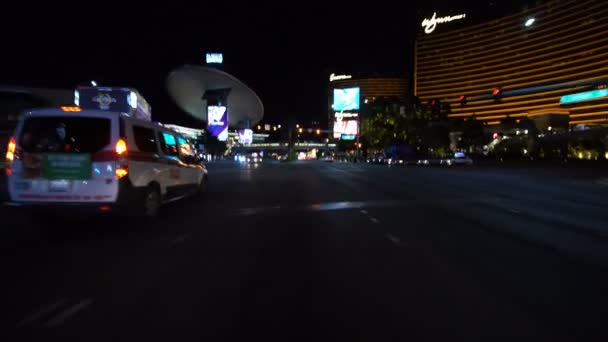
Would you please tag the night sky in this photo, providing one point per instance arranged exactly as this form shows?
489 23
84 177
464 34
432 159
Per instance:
284 52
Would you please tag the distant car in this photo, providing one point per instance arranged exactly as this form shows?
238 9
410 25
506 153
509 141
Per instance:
459 159
428 161
254 158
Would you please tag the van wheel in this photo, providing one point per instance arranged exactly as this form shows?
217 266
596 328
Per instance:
152 202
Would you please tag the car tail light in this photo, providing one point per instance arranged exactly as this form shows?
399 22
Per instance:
121 147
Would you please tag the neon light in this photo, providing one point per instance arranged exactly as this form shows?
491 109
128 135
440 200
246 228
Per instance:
214 58
430 24
584 96
334 77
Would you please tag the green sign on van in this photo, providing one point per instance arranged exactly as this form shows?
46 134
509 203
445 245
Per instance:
67 166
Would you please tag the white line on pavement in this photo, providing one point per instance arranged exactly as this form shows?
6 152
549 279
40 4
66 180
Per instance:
43 312
393 239
364 212
181 238
603 181
67 313
375 220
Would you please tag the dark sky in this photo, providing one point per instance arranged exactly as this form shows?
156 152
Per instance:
283 52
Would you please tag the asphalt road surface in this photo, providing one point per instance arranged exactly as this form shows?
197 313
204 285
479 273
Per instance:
314 251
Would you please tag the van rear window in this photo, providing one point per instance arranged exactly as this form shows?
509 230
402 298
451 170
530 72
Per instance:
65 134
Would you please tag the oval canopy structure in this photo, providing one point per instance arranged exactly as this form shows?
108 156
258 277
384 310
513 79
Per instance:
188 84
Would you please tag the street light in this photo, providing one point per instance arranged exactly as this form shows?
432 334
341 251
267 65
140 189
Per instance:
93 83
279 126
300 130
318 131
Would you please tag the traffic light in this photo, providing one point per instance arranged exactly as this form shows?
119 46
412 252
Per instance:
497 93
435 105
463 100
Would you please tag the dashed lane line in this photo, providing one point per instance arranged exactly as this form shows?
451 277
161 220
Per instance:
67 313
44 311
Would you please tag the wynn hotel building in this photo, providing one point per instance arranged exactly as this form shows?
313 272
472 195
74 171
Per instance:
549 59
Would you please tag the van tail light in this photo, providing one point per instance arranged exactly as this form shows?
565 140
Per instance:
121 147
11 149
121 171
120 150
11 155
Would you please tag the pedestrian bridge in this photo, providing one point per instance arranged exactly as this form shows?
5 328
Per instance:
284 147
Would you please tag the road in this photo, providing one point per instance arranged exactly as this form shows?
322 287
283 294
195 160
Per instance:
318 251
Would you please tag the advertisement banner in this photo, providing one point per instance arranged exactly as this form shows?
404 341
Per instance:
217 117
246 136
345 123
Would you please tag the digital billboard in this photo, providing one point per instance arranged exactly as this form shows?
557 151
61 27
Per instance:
246 136
217 117
346 99
348 127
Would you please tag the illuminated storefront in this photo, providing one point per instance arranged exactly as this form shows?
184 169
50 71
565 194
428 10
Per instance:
550 58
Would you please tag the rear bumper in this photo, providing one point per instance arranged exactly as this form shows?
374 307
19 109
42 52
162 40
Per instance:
128 197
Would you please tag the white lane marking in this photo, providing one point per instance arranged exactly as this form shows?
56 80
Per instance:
67 313
375 220
181 238
364 212
514 211
603 181
327 206
393 239
43 312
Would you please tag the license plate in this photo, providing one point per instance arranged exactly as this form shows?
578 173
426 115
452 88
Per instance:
59 186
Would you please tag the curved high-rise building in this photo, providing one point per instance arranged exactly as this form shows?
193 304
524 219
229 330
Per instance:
524 64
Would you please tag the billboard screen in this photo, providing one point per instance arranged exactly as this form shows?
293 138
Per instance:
346 99
217 117
348 127
246 136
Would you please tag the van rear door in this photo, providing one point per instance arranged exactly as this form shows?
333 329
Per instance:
65 157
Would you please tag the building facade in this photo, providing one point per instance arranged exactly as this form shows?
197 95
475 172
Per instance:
545 60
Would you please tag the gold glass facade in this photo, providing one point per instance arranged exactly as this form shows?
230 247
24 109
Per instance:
564 51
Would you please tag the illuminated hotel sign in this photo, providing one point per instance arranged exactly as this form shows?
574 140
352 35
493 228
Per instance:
584 96
334 77
214 58
430 24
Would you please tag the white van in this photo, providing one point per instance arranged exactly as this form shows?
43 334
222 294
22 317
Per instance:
103 160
